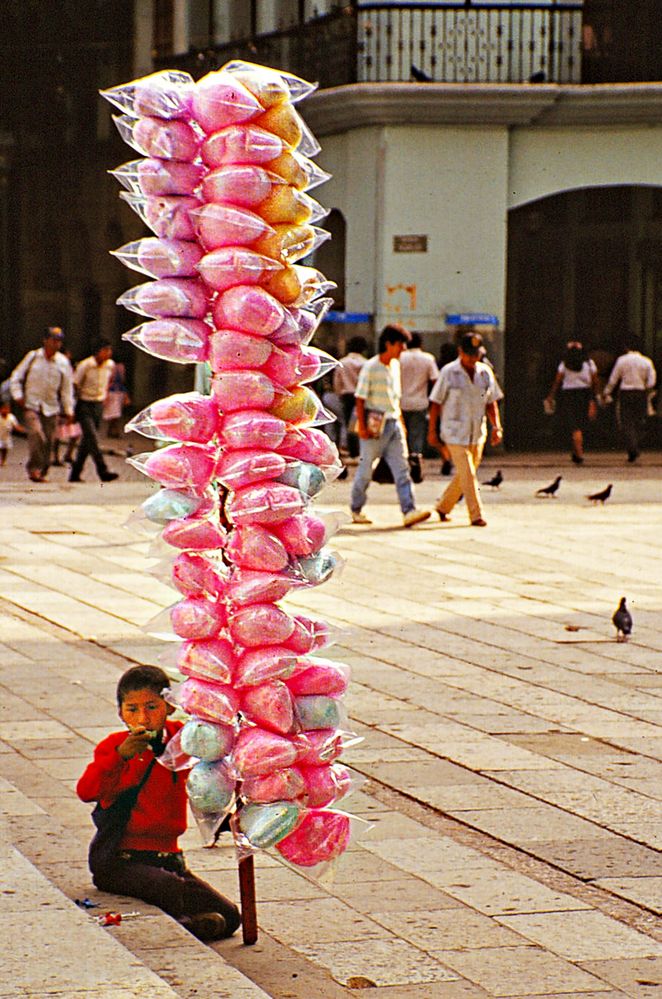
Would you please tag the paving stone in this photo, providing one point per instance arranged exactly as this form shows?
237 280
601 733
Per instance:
583 936
447 929
640 978
410 894
507 892
512 971
383 962
595 858
466 797
321 920
529 825
646 891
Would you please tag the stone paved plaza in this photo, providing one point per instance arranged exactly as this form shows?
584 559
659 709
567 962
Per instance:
512 750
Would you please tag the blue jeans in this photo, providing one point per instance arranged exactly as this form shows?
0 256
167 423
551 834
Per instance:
416 425
391 445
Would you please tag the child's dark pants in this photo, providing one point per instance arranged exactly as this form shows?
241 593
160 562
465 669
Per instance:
164 880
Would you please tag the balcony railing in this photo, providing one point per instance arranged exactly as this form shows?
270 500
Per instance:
463 42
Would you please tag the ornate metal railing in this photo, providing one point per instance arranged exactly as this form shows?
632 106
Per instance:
450 42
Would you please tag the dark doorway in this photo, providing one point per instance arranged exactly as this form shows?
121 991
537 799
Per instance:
587 265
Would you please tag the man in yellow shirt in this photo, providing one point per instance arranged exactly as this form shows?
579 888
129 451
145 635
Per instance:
91 379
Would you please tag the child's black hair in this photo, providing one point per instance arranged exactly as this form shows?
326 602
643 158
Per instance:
141 678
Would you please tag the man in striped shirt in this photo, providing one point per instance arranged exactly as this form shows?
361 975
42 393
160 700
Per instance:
380 427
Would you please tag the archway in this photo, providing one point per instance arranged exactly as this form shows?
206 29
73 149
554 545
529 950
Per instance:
584 264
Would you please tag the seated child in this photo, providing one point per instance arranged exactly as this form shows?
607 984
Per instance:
8 424
149 864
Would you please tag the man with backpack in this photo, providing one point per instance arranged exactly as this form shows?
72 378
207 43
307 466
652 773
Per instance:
42 384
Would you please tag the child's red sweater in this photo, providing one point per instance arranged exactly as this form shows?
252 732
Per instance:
159 816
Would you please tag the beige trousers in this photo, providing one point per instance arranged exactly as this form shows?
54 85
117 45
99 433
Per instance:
466 459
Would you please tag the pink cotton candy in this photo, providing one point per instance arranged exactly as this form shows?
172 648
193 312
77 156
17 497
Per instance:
309 444
215 702
259 752
269 705
169 257
218 101
241 144
242 429
281 785
235 390
157 176
260 624
326 784
189 467
243 185
316 747
227 225
308 635
194 534
168 140
167 94
177 297
256 548
259 665
302 534
229 266
237 469
266 504
321 836
181 340
207 660
250 587
284 365
186 417
230 350
169 216
193 573
318 676
197 618
249 309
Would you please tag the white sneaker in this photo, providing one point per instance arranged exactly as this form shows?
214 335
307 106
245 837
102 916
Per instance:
415 517
360 518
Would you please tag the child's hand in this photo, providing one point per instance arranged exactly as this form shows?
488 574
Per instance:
136 742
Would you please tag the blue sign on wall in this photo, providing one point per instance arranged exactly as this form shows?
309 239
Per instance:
348 317
468 318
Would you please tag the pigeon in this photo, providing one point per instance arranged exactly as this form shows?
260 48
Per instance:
495 481
419 75
622 620
600 497
551 489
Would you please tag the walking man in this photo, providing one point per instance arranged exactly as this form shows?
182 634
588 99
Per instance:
463 395
635 377
380 427
92 379
345 378
419 372
42 384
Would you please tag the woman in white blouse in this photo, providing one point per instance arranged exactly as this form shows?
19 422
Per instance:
577 378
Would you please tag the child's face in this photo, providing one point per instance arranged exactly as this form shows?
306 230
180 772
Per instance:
144 709
5 410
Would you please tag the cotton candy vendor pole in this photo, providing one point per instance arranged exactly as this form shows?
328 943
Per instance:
223 184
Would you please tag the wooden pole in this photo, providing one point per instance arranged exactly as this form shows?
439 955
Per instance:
247 896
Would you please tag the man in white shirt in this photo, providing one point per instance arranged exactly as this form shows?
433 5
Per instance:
380 427
345 377
464 394
42 384
419 372
635 376
92 378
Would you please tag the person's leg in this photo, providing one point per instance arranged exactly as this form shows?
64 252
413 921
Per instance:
179 893
84 417
577 446
348 401
465 460
3 455
370 451
633 414
416 423
394 453
49 426
36 442
95 410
